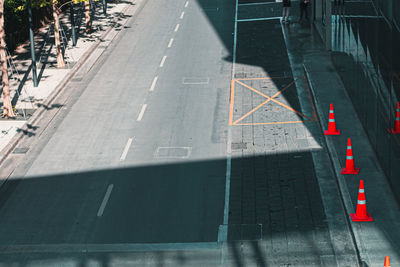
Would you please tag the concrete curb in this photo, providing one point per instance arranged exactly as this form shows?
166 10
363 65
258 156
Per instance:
88 59
344 192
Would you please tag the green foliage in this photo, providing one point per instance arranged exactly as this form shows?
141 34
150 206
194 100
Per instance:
22 4
16 21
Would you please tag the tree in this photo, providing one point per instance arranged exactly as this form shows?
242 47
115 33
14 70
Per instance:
7 107
88 17
56 9
60 57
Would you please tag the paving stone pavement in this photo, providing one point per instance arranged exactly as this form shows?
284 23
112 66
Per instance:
276 204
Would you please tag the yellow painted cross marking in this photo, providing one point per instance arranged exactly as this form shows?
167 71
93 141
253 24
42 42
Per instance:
268 99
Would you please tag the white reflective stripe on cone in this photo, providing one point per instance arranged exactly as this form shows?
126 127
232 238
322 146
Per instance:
349 157
330 111
331 120
361 202
361 191
348 147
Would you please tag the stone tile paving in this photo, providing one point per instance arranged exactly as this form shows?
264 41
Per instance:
276 206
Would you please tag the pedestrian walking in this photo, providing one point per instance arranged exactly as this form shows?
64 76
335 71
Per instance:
338 6
304 9
285 10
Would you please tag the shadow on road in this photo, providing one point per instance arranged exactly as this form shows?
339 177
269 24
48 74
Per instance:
276 215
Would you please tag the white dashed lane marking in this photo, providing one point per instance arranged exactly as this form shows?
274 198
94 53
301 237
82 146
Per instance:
105 200
153 84
142 112
126 149
182 14
163 61
177 27
170 42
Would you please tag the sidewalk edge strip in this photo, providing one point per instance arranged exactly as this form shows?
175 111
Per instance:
343 190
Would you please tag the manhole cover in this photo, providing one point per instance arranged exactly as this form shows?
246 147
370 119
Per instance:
194 80
173 152
240 75
245 232
20 150
237 146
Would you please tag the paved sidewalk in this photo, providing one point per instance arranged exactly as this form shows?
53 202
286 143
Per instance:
287 194
375 239
25 97
284 203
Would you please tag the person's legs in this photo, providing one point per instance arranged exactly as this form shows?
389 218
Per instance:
284 14
306 11
301 11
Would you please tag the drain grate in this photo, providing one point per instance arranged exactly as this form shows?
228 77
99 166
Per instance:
20 150
238 146
173 152
194 80
245 232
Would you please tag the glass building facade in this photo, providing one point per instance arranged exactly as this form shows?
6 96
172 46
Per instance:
364 37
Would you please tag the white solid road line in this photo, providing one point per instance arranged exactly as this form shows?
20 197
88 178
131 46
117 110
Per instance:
187 3
163 61
105 200
258 19
255 4
170 42
142 112
108 247
182 14
223 236
177 27
126 149
153 84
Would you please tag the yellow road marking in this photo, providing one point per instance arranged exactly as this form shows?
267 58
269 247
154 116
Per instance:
262 104
251 111
265 102
272 98
231 101
265 123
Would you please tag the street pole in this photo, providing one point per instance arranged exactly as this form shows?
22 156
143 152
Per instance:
32 45
328 24
73 24
92 9
105 7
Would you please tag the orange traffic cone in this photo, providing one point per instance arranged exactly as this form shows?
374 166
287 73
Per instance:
361 214
396 129
350 169
387 262
332 124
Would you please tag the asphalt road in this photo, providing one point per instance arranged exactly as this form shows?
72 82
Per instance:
138 153
132 171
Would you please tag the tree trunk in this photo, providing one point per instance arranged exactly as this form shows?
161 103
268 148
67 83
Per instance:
87 17
7 108
60 58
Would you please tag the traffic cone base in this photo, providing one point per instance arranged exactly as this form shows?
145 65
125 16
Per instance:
396 128
346 171
394 131
354 218
327 132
